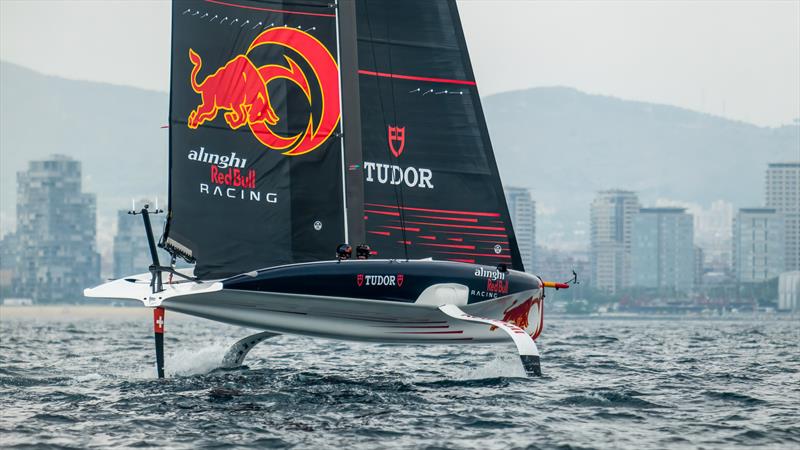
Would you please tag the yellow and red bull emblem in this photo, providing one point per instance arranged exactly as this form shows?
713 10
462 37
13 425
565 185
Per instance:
240 89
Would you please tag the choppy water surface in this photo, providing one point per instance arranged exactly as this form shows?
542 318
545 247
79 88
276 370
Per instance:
85 378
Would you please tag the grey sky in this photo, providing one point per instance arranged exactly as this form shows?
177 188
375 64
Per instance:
739 59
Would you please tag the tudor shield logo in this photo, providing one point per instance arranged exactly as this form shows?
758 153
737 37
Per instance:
239 89
360 280
397 140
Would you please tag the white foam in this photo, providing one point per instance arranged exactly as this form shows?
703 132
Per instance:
194 361
507 366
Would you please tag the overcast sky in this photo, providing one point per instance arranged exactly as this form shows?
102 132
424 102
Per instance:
738 59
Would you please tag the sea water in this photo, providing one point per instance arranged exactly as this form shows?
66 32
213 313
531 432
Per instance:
84 377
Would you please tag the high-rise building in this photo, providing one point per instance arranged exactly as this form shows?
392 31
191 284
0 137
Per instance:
699 266
662 251
712 233
523 217
131 252
8 262
789 291
56 228
612 215
758 244
783 194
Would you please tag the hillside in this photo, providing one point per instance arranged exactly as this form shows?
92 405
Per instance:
562 143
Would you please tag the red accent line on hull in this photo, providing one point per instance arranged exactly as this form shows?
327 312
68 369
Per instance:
282 11
428 332
408 326
469 261
444 211
416 78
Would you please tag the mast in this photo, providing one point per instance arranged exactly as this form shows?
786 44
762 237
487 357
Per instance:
350 107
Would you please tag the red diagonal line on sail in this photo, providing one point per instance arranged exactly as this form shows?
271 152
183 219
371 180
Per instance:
439 211
458 219
382 233
415 78
456 239
493 242
471 227
385 213
465 247
431 238
476 254
282 11
473 234
416 230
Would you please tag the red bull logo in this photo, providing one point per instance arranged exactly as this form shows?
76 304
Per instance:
239 88
518 314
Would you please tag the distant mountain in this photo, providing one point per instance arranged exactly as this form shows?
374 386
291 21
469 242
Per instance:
562 143
566 145
113 130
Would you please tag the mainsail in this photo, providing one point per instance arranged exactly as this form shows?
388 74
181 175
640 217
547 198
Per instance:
262 172
432 187
255 161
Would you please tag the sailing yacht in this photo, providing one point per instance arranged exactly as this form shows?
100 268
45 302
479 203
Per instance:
296 126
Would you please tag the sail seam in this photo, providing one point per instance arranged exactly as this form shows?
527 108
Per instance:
281 11
416 78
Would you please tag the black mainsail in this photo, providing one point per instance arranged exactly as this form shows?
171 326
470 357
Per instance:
432 187
262 170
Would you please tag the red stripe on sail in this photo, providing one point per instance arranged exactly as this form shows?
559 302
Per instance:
385 213
282 11
474 234
457 239
430 238
458 219
465 247
382 233
416 78
416 230
441 211
476 254
470 227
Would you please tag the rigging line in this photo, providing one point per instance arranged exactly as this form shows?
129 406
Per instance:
397 195
398 198
394 115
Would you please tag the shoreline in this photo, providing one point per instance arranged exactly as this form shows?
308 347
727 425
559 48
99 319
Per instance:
108 311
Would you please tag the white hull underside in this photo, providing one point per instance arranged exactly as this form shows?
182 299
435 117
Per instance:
331 317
